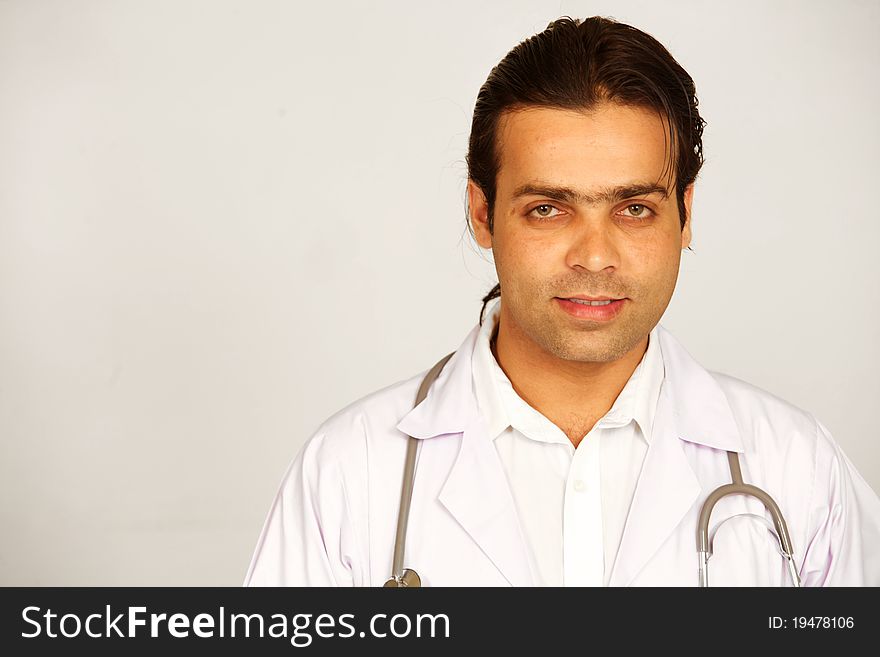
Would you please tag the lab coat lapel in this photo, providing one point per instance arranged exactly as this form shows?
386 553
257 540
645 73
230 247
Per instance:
476 492
667 488
691 407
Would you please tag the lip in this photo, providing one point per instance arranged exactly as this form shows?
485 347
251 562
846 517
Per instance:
596 313
586 298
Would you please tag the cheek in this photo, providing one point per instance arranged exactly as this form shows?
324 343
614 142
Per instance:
657 254
660 272
529 259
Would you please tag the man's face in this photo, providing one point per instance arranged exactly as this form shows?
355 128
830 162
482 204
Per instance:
548 247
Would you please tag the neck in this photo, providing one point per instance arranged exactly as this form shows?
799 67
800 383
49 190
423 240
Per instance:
573 395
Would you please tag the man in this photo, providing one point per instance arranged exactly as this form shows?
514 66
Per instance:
571 440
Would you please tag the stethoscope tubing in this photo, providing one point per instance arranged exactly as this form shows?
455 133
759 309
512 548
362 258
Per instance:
400 576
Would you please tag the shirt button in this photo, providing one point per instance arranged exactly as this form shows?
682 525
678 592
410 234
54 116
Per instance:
579 485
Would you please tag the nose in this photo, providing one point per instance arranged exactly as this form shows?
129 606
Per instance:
593 247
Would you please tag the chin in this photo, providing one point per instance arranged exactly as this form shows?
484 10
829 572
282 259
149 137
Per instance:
596 347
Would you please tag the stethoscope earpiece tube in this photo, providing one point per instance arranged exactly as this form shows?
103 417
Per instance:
400 576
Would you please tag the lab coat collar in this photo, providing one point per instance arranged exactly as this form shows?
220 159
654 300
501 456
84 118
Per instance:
701 412
451 403
700 409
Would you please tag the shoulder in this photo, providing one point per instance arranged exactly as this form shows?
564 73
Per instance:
777 429
832 512
369 419
339 455
758 408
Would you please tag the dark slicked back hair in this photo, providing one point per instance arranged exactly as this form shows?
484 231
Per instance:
576 65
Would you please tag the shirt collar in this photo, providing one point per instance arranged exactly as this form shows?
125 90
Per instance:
502 407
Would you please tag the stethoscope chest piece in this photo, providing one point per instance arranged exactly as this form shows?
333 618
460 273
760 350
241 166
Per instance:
409 579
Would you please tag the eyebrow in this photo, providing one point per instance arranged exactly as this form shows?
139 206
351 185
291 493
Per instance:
603 195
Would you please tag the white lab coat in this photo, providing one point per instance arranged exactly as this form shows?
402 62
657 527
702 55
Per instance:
333 520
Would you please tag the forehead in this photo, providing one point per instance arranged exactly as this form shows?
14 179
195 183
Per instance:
610 145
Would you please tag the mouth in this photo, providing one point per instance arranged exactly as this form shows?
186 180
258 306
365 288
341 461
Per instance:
601 309
593 301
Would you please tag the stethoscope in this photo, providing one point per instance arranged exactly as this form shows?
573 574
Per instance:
408 577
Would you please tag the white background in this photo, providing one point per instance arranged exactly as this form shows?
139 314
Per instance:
220 222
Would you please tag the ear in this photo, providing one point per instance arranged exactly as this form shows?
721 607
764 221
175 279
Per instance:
478 214
686 229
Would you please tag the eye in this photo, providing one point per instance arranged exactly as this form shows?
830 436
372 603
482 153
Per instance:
542 212
639 211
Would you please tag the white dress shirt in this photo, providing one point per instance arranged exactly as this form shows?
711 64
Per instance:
572 503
